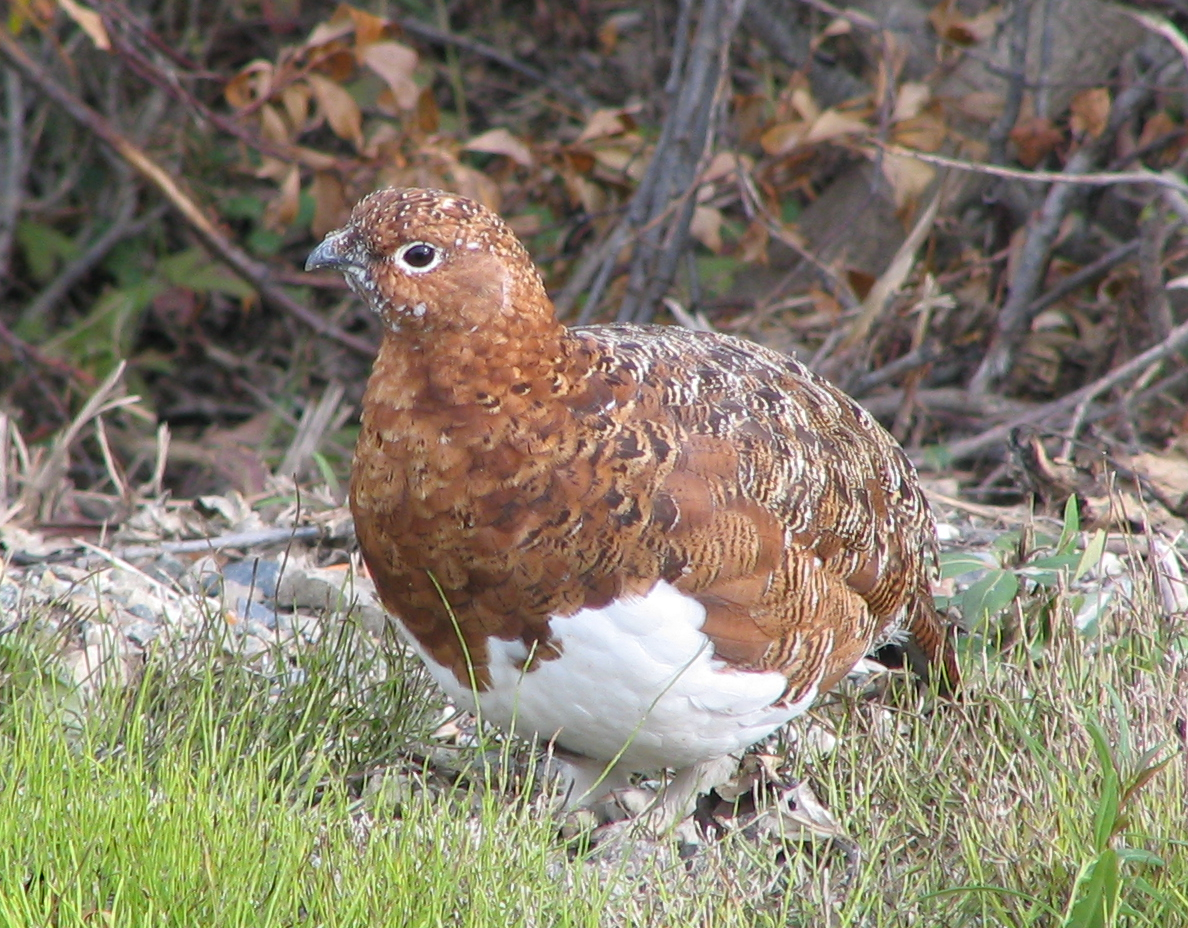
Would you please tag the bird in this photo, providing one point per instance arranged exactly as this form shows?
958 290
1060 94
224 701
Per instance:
644 546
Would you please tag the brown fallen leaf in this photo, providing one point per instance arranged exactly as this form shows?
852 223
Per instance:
340 109
1089 112
395 63
1034 139
501 142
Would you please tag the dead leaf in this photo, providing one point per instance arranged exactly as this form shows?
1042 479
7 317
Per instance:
1168 472
909 177
1090 112
428 115
838 26
804 104
724 165
251 84
340 108
923 133
1034 139
273 168
338 26
614 26
525 225
295 98
752 247
369 28
581 189
953 26
282 210
1159 125
833 124
982 105
783 137
89 21
910 100
273 126
311 158
395 63
501 142
706 227
620 159
606 122
578 160
331 208
826 303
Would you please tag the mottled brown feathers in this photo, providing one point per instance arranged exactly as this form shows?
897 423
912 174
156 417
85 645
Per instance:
520 470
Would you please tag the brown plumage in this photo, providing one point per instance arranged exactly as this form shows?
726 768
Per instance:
568 492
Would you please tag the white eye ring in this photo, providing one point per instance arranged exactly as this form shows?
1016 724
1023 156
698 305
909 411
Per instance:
410 256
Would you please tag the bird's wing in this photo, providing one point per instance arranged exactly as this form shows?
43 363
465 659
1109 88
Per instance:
733 473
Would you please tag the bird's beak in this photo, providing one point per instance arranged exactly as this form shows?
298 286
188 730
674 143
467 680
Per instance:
334 252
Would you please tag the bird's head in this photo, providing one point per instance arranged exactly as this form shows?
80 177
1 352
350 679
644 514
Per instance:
430 262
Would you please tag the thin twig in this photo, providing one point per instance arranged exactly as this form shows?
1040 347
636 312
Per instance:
691 122
252 271
914 359
894 274
260 538
968 447
837 286
1089 178
1162 27
122 227
1016 314
852 16
11 193
1016 78
662 205
570 92
1079 278
119 19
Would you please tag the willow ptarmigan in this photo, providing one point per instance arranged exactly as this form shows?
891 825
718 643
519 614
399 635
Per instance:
648 546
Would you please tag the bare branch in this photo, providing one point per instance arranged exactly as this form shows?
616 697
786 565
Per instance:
252 271
1016 313
1176 340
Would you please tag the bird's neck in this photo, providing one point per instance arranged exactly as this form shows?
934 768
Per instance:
440 371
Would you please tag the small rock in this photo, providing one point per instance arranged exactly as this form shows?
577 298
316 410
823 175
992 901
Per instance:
204 576
258 574
10 595
329 589
166 568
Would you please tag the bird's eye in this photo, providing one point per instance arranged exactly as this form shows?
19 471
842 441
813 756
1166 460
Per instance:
418 257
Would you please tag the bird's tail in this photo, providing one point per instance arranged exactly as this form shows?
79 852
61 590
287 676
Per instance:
929 649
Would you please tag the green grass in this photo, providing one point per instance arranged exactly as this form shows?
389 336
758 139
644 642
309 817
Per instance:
211 793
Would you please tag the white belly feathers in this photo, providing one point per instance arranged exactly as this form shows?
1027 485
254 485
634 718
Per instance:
637 681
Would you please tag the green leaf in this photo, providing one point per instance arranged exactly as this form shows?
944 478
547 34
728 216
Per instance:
956 563
1007 542
106 334
1072 524
1097 894
1048 571
1139 857
1091 556
1055 562
194 270
990 595
936 458
44 248
1105 815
